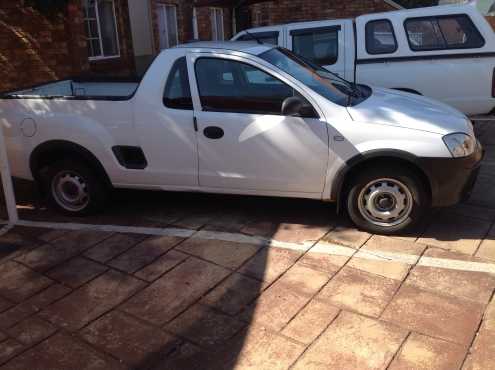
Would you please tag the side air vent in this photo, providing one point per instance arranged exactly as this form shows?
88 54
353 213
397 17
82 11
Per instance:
131 157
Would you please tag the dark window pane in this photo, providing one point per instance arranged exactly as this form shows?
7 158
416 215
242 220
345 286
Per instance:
107 27
460 32
273 40
380 37
445 32
321 47
177 93
230 86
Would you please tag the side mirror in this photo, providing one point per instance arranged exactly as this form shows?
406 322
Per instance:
296 107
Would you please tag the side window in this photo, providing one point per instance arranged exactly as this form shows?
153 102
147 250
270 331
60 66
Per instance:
264 37
255 91
319 45
443 33
177 94
380 37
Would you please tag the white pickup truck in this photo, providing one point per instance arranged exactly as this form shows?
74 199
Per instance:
443 52
243 118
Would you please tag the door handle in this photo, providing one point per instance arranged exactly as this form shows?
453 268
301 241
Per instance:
213 132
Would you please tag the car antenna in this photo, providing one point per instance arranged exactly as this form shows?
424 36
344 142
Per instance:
254 37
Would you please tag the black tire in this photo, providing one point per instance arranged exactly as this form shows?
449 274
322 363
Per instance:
419 202
95 187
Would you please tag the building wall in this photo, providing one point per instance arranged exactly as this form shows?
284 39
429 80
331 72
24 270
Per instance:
36 47
285 11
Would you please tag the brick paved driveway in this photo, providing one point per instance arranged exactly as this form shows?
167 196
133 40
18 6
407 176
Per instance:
325 296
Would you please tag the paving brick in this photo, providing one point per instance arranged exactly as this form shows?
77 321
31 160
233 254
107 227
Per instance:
328 257
175 291
232 222
163 264
32 330
387 257
311 321
423 353
482 354
62 352
473 285
440 316
359 291
489 316
348 236
8 349
227 254
113 246
77 271
5 304
2 336
61 249
299 233
285 298
205 327
15 243
261 349
132 341
194 222
456 233
15 314
186 356
487 247
48 296
353 342
90 301
144 253
233 294
19 282
269 263
50 235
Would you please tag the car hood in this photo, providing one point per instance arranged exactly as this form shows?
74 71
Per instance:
397 108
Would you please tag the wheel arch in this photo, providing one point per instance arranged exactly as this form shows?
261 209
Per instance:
53 150
345 175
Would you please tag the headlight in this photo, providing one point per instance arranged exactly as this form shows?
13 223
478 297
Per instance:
460 145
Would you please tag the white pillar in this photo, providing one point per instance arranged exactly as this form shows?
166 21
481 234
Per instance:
8 188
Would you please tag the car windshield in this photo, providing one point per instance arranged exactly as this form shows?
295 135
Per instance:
320 80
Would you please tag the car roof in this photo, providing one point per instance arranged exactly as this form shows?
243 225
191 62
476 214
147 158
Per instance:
249 47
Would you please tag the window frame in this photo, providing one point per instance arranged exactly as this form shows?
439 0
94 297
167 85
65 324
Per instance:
100 38
393 34
163 8
213 11
312 30
317 114
175 67
438 17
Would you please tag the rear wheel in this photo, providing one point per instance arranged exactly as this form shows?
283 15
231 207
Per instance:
386 201
73 188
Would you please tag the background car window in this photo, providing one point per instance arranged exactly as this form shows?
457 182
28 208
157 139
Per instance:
440 33
321 46
254 90
380 37
264 37
177 94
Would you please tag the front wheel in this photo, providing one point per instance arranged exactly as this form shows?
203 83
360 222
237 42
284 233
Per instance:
386 201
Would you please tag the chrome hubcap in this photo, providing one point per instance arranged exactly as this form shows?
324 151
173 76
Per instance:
385 202
69 189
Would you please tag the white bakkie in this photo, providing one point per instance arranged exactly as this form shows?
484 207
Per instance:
443 52
243 118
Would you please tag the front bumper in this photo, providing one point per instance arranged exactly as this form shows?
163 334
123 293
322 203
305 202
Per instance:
452 179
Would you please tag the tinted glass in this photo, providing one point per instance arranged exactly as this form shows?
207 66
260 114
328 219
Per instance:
269 39
230 86
177 93
321 47
440 33
380 37
107 27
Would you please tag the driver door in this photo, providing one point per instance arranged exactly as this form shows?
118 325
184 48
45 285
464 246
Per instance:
245 144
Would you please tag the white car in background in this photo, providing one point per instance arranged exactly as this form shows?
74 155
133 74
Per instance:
443 52
243 118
